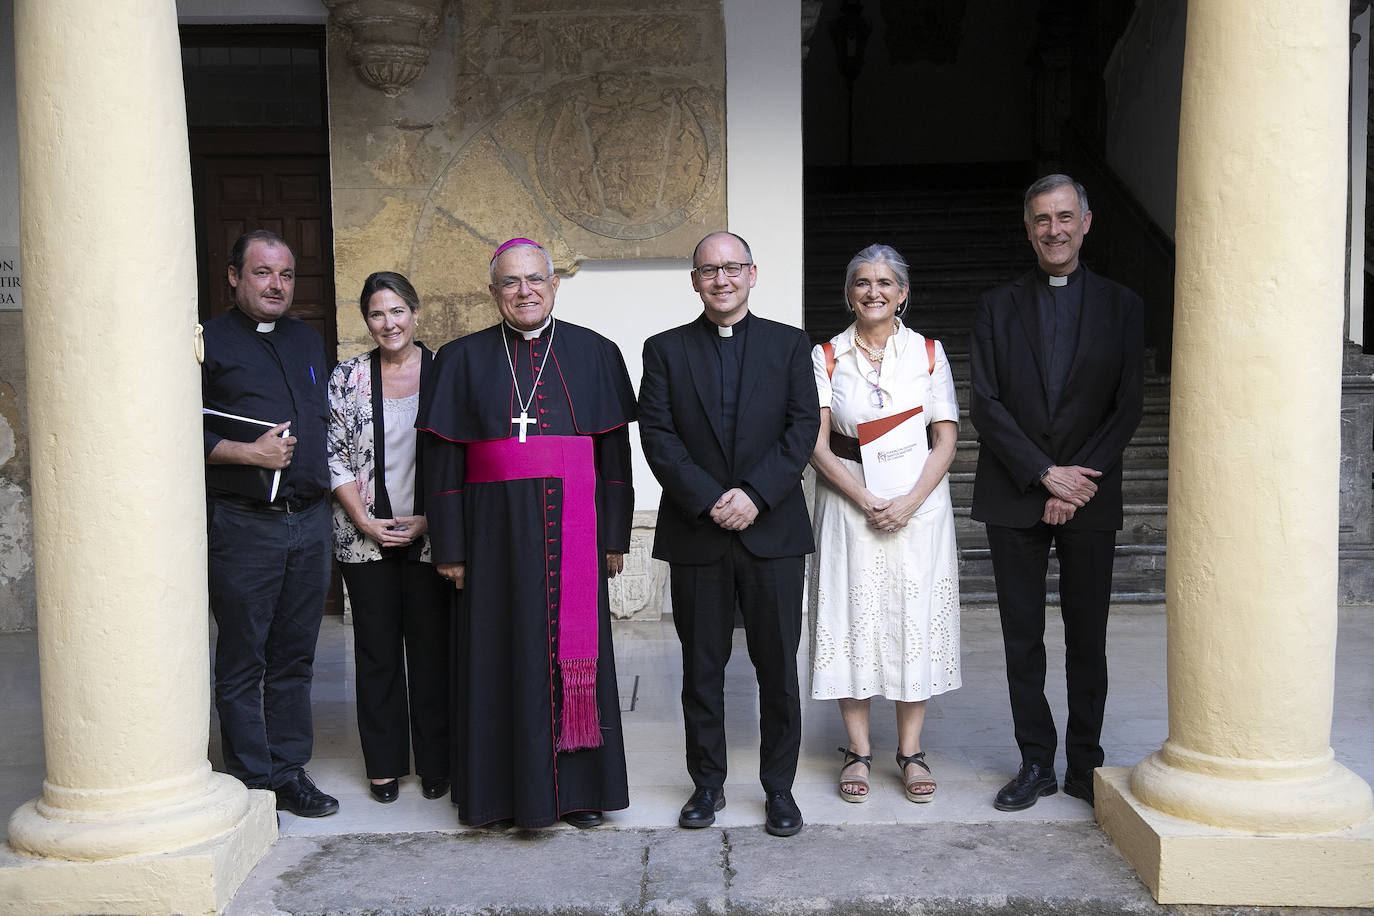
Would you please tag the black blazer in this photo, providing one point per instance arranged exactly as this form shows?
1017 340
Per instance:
775 432
1098 411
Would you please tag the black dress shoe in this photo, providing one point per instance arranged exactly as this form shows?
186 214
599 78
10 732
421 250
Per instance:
434 786
782 816
1079 784
303 798
1030 783
583 819
385 792
701 808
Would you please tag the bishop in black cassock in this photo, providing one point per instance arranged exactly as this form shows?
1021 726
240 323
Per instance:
529 501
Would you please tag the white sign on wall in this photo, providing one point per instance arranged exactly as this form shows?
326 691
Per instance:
11 292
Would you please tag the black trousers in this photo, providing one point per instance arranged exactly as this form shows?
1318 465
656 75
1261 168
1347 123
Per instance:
1020 561
268 576
769 594
400 651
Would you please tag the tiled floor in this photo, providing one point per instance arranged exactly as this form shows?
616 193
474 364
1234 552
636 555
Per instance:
968 732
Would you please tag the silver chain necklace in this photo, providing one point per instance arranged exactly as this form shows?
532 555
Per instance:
524 420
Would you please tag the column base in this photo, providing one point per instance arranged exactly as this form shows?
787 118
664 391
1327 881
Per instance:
201 878
1182 861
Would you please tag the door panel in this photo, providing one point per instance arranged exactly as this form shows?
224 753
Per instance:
289 196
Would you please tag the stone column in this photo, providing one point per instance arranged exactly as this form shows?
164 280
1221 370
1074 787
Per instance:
1244 804
131 818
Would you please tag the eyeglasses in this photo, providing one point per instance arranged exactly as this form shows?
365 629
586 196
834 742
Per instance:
709 271
875 396
533 281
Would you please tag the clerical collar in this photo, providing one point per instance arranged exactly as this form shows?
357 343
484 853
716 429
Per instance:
1068 279
531 335
261 327
728 330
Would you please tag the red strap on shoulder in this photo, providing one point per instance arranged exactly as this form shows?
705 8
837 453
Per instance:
828 349
930 352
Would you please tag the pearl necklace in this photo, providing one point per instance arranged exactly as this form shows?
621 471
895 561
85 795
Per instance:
875 354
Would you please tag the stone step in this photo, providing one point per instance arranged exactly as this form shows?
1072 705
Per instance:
1139 485
1154 402
1144 451
1145 523
1139 561
1154 421
1125 590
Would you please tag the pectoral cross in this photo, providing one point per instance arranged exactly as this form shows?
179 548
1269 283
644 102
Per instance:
523 421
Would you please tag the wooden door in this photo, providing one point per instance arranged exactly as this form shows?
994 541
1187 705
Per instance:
288 195
256 117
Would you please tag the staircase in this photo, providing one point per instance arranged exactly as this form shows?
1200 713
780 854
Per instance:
959 242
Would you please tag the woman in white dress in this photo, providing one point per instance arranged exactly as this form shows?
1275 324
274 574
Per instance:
884 579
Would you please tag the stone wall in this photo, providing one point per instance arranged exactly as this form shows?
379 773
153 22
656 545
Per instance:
1356 579
596 128
638 592
18 607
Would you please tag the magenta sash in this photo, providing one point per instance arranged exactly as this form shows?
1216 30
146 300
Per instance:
570 459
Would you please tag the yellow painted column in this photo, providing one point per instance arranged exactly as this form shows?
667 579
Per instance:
131 818
1244 803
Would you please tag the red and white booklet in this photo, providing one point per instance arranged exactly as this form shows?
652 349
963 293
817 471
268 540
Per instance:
894 450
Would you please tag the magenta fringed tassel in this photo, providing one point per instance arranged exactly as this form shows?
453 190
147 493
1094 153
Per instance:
581 726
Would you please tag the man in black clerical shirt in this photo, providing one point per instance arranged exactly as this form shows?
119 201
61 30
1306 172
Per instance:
269 560
728 418
1056 396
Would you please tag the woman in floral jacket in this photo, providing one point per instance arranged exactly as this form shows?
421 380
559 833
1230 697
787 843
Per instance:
400 604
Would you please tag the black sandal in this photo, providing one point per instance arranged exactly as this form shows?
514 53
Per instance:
919 759
851 758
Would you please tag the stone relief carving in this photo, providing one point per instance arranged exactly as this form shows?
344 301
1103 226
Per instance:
596 126
629 155
589 46
637 593
390 40
520 45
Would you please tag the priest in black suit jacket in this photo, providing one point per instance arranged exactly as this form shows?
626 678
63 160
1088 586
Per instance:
728 418
1057 390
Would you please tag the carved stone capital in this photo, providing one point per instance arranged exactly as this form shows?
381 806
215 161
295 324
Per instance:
390 40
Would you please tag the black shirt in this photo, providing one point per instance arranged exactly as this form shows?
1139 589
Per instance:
730 351
278 375
1060 309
